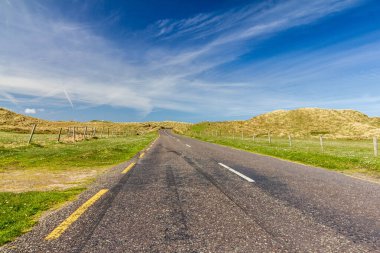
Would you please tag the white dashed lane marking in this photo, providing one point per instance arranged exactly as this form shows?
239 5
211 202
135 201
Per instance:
237 173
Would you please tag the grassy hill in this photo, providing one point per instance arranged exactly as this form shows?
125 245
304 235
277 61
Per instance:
14 122
304 122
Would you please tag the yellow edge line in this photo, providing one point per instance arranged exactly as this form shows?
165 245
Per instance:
128 168
141 155
58 231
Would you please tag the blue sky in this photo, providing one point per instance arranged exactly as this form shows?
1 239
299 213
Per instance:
187 60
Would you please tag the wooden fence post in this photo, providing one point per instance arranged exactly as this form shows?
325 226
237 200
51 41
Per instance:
59 135
74 134
108 132
85 133
32 133
94 132
253 137
269 138
290 140
242 135
321 142
375 146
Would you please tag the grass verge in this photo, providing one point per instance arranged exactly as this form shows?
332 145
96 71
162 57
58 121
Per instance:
349 156
20 211
66 156
64 165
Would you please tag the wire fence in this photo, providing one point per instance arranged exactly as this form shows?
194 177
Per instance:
365 147
62 135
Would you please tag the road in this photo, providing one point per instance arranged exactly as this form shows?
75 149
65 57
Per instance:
184 195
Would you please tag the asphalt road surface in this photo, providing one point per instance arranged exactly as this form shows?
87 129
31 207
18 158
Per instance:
184 195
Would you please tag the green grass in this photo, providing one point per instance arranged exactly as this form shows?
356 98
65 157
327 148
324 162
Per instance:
48 154
20 211
351 156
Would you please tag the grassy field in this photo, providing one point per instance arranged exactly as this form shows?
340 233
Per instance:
20 211
349 156
37 177
48 154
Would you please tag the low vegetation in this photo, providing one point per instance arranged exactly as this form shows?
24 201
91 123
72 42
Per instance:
49 164
20 211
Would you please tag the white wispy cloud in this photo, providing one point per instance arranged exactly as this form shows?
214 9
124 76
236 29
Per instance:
30 111
45 56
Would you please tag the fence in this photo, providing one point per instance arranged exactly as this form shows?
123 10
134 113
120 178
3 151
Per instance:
321 143
65 135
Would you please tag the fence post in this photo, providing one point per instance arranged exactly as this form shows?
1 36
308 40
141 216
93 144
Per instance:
269 138
85 133
108 132
74 134
375 146
59 135
321 142
94 132
253 137
290 140
32 133
242 135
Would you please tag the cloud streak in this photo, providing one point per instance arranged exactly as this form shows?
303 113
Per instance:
68 98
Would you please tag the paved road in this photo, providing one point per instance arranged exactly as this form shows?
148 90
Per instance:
185 195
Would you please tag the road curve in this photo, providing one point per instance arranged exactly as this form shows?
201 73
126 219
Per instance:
184 195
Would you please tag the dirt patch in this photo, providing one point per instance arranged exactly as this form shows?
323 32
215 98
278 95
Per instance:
44 180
